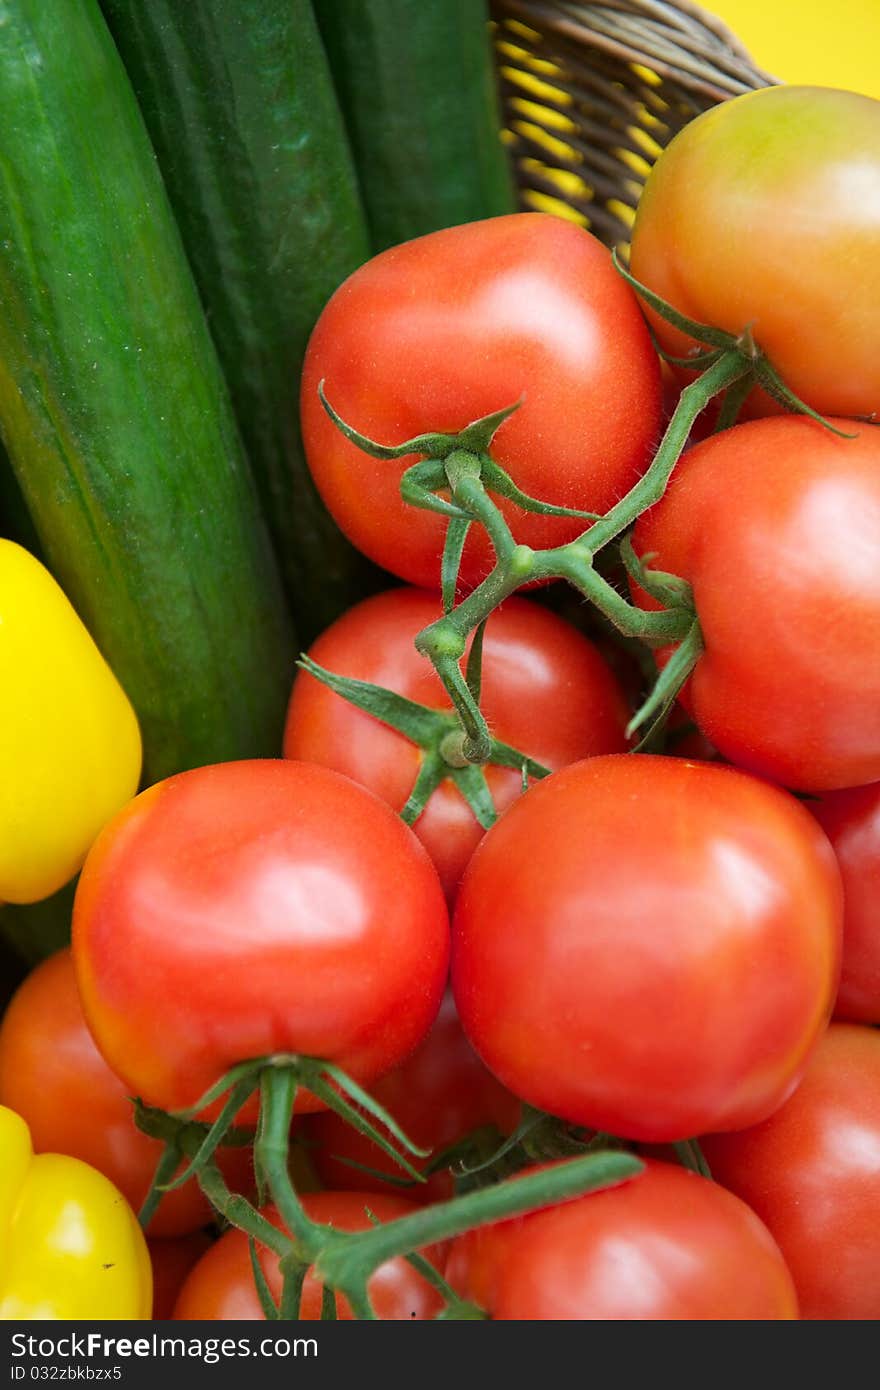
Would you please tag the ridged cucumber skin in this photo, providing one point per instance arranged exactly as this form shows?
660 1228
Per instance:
241 109
114 410
417 85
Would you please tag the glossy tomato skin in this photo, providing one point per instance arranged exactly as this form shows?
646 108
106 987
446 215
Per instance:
776 525
546 691
667 1245
52 1074
765 212
851 820
250 908
451 327
437 1096
643 943
812 1173
221 1286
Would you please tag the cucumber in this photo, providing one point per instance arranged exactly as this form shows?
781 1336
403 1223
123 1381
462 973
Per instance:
113 407
241 110
416 81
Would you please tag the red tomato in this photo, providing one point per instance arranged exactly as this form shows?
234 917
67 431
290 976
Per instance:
545 690
851 820
776 525
438 1095
52 1074
172 1261
250 908
765 212
665 1246
812 1172
221 1287
649 946
454 326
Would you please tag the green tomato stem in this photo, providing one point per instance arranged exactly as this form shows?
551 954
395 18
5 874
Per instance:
238 1212
728 368
351 1262
470 494
165 1170
270 1312
734 399
664 626
278 1087
293 1273
216 1133
671 679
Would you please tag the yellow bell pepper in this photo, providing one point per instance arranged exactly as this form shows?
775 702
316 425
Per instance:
70 1245
70 747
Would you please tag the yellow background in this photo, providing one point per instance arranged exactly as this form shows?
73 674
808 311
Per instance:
832 43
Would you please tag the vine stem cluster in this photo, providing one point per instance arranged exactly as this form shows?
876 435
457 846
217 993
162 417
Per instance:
456 477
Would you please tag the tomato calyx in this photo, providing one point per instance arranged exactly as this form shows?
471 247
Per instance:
438 734
323 1080
456 477
182 1139
674 593
461 465
714 344
453 466
345 1261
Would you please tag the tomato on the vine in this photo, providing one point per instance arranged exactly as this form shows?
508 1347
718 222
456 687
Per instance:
764 213
53 1075
221 1286
545 690
812 1173
437 1096
454 326
649 946
776 526
253 908
666 1245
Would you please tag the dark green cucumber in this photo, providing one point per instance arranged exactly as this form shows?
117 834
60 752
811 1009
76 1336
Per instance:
113 407
416 81
241 110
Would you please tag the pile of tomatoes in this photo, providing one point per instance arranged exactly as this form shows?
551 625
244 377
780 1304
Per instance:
676 957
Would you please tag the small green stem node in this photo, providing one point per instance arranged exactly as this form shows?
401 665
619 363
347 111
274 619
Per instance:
452 749
441 641
521 563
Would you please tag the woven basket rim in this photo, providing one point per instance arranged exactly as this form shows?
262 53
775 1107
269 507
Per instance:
677 39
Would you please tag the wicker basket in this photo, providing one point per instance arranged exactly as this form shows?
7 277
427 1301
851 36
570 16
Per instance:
592 93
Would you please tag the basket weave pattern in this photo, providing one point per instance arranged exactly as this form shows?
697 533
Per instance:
592 93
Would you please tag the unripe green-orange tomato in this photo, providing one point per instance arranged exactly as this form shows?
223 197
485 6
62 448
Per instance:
765 212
